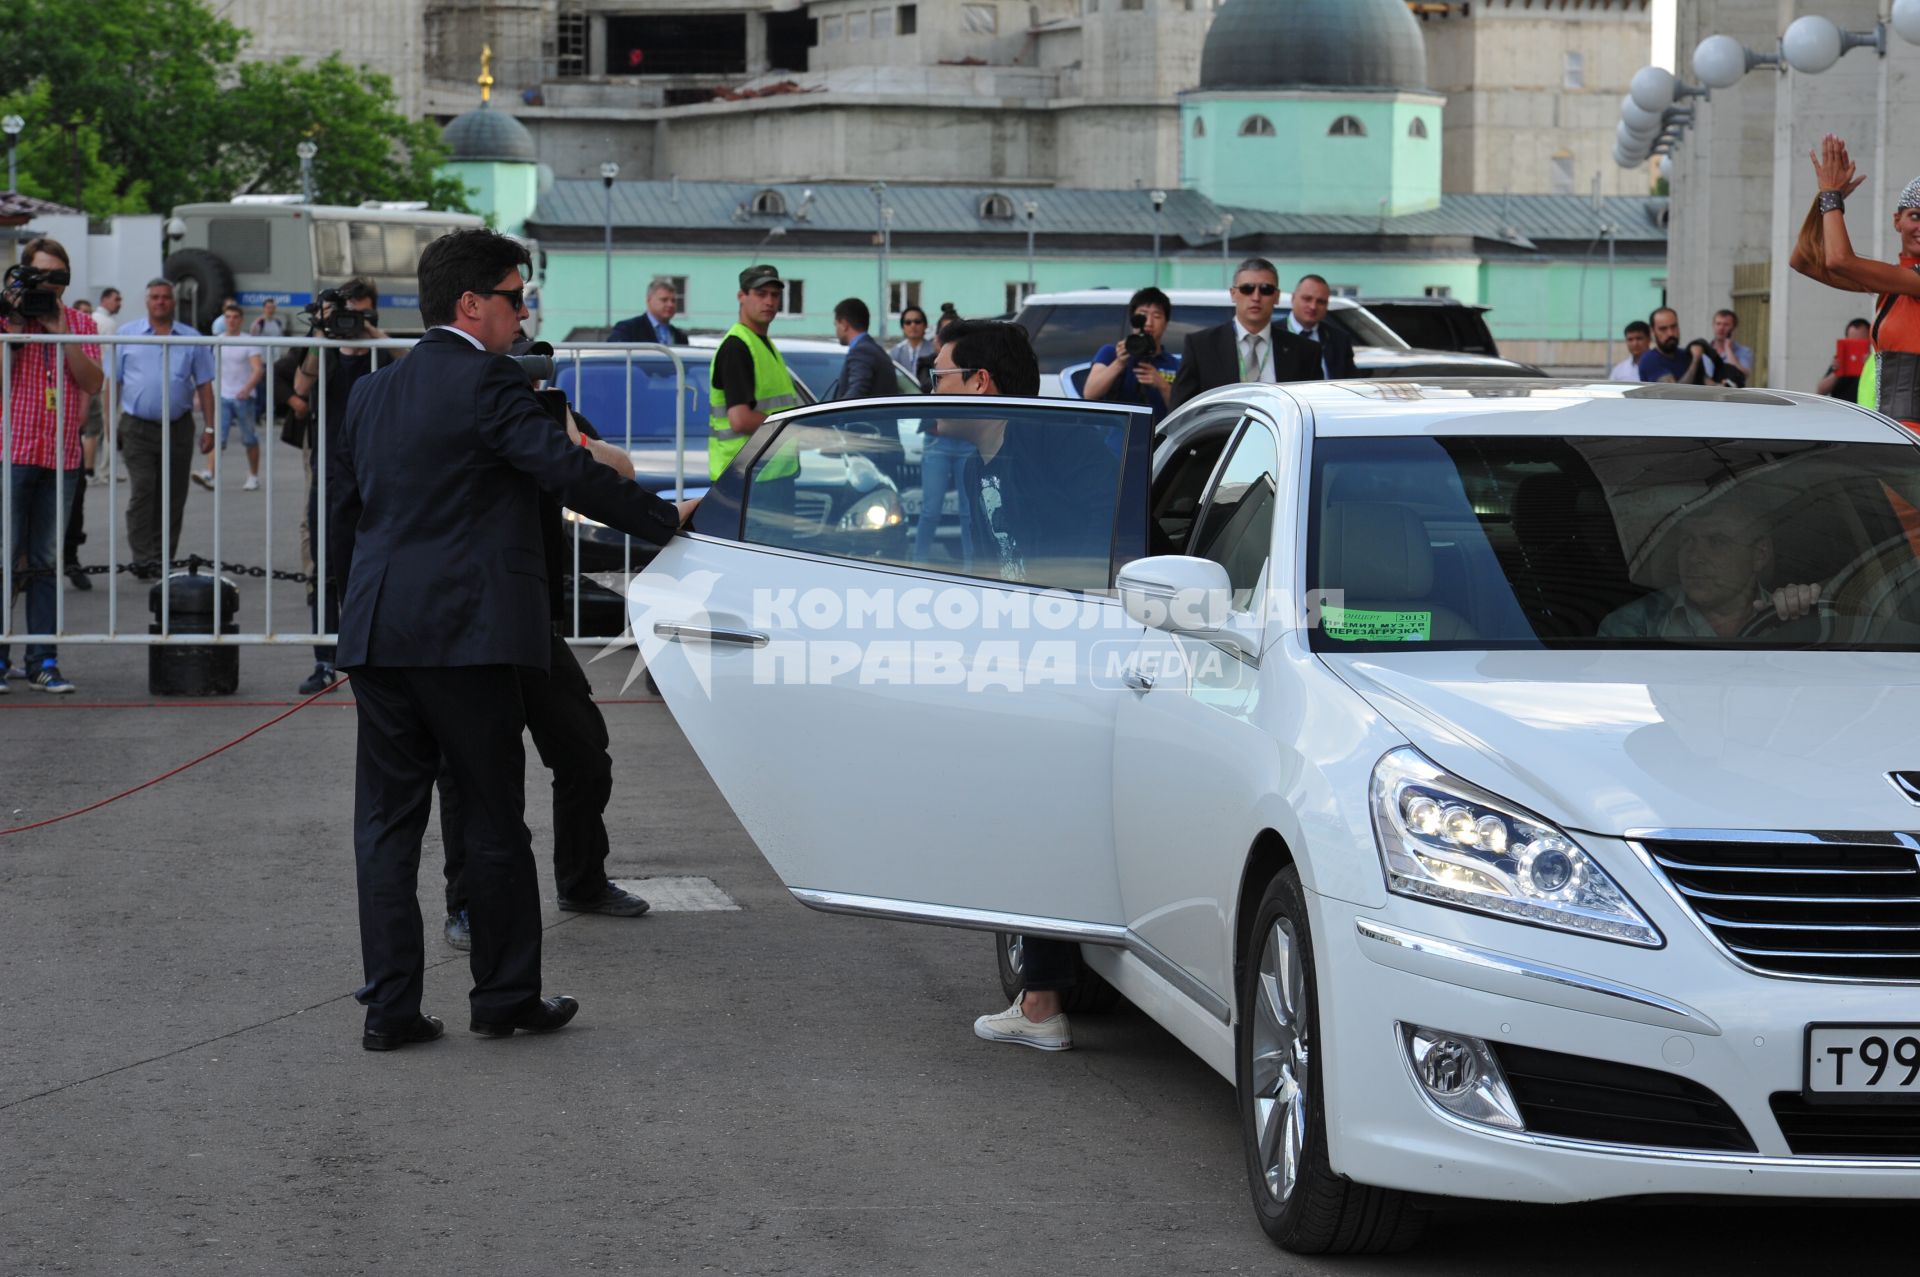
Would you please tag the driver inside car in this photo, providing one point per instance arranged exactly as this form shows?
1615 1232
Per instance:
1725 556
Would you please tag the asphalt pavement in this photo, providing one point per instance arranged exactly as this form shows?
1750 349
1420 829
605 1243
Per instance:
754 1090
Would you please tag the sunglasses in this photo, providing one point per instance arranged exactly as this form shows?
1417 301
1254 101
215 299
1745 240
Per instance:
913 323
1248 290
516 297
937 373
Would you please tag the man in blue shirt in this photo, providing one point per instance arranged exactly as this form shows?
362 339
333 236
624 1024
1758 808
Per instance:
157 396
1693 366
654 324
1120 377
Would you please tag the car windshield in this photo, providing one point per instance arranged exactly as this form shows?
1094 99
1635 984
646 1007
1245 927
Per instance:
819 369
1487 542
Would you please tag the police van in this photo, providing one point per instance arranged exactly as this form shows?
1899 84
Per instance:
276 246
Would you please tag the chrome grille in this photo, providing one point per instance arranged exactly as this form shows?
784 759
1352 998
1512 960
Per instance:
1836 905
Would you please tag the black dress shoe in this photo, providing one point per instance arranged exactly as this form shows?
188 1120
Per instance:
613 901
543 1016
424 1029
78 578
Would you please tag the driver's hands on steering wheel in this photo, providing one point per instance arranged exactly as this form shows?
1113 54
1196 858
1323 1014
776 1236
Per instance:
1790 602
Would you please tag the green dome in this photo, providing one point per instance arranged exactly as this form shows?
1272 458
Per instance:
1306 44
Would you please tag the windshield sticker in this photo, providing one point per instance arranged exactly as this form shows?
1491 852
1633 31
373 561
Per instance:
1359 624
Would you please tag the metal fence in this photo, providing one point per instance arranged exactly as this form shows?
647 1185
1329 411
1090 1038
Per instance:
252 559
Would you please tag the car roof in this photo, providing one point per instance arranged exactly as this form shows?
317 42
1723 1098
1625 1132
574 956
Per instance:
1506 406
799 345
1454 302
1178 296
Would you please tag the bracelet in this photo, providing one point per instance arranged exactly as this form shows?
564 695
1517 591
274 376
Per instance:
1832 202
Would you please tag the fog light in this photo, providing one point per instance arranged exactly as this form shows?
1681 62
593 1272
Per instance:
1461 1075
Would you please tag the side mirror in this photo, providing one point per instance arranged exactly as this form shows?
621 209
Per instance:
1177 593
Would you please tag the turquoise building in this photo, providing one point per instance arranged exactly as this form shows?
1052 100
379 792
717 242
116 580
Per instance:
1311 139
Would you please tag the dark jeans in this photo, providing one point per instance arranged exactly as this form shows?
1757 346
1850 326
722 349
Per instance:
1048 965
327 622
571 736
412 722
77 519
141 441
38 503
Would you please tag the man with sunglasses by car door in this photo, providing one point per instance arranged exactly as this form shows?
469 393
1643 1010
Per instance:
1248 347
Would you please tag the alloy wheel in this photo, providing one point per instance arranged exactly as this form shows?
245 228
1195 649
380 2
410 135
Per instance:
1280 1057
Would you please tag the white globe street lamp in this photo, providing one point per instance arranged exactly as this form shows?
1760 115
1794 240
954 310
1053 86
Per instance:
1813 44
1655 89
1906 20
1720 60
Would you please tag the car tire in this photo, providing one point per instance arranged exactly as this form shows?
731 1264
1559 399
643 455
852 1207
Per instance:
201 281
1090 993
1302 1204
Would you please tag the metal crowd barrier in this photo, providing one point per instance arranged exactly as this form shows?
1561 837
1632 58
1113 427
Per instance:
578 355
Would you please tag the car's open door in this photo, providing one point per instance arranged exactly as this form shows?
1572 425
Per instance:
907 711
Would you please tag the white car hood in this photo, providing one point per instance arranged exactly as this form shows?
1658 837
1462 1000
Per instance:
1608 742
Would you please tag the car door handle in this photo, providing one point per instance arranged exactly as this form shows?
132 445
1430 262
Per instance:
1137 681
676 633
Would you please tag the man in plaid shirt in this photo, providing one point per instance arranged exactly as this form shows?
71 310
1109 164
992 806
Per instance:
48 407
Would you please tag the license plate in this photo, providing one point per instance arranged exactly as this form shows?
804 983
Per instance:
1863 1062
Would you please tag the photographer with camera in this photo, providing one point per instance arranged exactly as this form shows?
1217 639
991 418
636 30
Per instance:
47 409
347 313
1138 369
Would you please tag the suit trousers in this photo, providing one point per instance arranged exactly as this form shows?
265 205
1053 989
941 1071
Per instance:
570 734
141 441
411 718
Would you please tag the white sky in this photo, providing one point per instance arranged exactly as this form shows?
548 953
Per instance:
1663 33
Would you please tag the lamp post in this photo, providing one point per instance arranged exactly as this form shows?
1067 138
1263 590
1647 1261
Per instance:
886 268
306 151
12 125
608 172
1032 208
1159 198
883 221
1226 259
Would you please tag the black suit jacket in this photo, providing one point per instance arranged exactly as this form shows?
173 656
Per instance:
640 329
433 497
1334 345
1211 359
867 374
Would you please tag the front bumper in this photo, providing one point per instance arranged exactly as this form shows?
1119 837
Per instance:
1683 1009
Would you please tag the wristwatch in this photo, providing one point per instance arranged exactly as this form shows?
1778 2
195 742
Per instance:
1832 202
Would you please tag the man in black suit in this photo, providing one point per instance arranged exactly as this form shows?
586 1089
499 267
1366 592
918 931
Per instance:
654 324
434 525
868 373
1247 347
1308 322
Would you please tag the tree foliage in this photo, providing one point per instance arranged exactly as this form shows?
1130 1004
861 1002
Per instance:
175 117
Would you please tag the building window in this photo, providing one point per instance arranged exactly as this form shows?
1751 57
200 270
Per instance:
907 19
980 19
770 203
830 28
1573 71
999 207
1133 4
1439 290
570 43
1256 126
794 300
882 24
902 293
1344 290
1199 127
1016 295
1347 126
1562 173
857 25
1418 128
678 283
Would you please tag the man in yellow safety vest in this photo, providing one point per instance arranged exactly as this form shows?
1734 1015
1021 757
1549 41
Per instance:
750 383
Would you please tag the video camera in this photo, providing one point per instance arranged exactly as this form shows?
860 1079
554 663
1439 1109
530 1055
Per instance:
341 323
27 292
1137 344
535 359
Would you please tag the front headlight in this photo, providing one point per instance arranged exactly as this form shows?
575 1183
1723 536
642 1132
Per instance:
872 513
1445 840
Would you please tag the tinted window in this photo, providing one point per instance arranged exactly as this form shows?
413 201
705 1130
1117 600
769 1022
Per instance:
245 243
1067 335
1438 327
597 387
1237 529
1613 542
1026 494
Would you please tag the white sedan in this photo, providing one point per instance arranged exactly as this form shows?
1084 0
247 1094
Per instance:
1508 786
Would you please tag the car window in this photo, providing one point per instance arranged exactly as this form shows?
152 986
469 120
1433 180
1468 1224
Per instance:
1236 530
597 387
1004 492
1612 542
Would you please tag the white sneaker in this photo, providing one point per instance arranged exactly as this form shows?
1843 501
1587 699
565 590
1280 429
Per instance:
1012 1025
252 484
204 478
